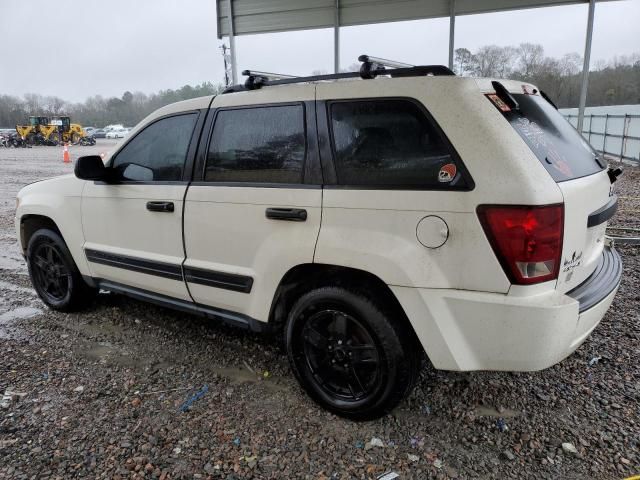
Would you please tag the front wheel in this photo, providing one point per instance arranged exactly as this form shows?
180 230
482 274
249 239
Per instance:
54 274
352 356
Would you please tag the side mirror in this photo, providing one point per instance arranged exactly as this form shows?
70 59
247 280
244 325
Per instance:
90 167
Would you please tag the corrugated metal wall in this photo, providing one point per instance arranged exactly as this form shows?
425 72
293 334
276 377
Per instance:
614 130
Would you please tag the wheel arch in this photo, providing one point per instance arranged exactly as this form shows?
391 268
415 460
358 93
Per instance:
308 276
31 223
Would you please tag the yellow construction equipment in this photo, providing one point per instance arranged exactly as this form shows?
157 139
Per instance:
52 130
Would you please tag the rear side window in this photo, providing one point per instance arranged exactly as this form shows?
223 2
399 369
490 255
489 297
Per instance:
257 145
158 152
558 146
391 143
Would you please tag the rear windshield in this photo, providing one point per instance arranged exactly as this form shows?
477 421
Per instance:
558 146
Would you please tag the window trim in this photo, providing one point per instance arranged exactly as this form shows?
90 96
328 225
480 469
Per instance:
469 186
188 160
303 184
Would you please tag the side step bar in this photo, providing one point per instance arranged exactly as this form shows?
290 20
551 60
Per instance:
231 318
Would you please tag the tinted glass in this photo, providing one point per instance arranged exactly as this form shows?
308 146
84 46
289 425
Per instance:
390 143
263 145
158 152
558 146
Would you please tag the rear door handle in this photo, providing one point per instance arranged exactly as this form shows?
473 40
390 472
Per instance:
290 214
160 206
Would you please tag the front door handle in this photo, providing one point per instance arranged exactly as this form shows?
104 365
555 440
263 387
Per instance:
290 214
160 206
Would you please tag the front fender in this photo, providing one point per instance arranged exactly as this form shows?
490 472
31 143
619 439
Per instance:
60 200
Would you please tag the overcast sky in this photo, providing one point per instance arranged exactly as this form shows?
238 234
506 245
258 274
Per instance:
108 47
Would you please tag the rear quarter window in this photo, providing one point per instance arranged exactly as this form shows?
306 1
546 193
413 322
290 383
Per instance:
392 143
553 140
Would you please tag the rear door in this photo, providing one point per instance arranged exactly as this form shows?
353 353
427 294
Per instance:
580 174
253 211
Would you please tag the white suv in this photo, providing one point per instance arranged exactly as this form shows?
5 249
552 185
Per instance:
365 219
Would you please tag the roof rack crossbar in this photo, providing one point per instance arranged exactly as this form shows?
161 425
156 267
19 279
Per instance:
371 68
255 78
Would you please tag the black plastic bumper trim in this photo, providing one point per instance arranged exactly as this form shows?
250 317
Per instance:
604 280
603 214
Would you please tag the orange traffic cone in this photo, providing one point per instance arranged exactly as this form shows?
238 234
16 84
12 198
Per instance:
65 156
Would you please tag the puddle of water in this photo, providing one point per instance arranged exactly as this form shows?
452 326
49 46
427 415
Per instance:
8 317
239 375
485 411
105 351
11 259
16 288
18 313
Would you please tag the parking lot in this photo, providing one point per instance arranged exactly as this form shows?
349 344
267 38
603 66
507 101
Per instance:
101 393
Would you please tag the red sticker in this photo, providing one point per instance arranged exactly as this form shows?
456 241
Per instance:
447 173
497 101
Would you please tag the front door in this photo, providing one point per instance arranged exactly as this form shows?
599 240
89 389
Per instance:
133 225
255 211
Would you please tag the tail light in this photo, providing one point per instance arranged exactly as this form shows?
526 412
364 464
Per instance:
526 239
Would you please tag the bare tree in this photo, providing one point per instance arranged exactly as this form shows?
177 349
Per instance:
463 61
53 105
530 58
494 61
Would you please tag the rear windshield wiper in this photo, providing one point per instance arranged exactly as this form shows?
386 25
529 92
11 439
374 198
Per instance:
504 95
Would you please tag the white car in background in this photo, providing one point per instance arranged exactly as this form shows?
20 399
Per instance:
117 133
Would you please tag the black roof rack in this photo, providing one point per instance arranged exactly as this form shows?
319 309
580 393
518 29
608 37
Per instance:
371 68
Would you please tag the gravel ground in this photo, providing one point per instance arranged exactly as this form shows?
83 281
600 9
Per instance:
99 394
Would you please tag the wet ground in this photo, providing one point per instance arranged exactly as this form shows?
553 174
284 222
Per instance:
101 394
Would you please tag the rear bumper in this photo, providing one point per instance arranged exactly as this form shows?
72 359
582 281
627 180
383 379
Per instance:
463 330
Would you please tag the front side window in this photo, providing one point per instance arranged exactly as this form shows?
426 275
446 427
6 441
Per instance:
158 152
391 143
257 145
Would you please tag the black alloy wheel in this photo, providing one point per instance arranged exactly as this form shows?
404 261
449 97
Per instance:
341 354
354 356
54 274
51 276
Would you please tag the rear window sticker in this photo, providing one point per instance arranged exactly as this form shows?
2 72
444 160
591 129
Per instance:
497 101
447 173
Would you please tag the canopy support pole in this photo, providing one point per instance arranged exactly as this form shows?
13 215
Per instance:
232 45
452 30
585 66
336 39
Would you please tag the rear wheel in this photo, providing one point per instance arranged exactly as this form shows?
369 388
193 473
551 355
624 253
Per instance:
54 274
54 137
75 138
350 354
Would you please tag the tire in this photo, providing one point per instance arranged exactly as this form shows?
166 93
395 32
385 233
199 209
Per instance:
350 354
54 137
54 274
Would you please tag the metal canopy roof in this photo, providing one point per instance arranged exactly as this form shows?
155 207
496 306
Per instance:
262 16
243 17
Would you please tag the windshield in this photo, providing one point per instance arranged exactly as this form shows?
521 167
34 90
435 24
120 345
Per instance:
558 146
